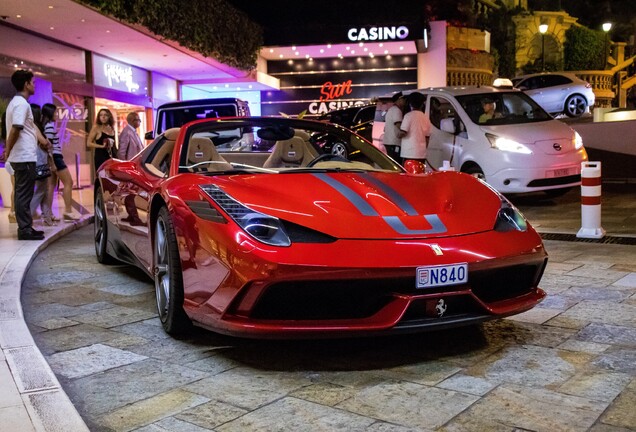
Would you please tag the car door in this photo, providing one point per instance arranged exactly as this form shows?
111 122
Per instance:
136 181
555 92
448 135
535 88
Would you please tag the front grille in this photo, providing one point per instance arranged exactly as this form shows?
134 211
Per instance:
504 283
360 298
324 300
556 181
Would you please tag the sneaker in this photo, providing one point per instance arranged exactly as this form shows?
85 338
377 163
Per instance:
12 218
55 218
70 217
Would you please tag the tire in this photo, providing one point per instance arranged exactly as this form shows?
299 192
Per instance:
168 278
575 106
339 149
100 230
475 171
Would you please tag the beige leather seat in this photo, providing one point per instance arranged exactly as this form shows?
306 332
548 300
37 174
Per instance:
293 152
201 149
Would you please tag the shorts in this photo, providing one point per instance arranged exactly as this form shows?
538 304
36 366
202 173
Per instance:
58 159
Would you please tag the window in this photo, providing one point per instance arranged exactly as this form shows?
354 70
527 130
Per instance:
440 108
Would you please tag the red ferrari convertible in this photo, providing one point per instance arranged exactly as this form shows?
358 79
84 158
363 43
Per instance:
248 230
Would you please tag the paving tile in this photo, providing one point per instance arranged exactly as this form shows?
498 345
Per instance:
536 315
532 366
91 359
512 407
617 359
150 410
408 404
57 323
171 424
601 386
608 334
467 384
583 346
628 280
113 317
15 333
115 388
10 309
621 412
324 393
30 370
16 418
9 396
605 312
211 414
52 411
68 338
249 388
291 414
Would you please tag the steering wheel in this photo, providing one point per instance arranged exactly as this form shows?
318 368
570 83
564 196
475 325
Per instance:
326 157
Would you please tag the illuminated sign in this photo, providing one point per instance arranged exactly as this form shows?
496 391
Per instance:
119 76
378 33
331 91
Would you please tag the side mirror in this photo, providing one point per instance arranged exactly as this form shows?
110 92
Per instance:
150 135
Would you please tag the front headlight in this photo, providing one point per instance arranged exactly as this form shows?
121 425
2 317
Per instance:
578 141
264 228
509 218
505 144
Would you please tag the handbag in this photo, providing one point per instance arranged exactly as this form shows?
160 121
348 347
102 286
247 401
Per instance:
42 171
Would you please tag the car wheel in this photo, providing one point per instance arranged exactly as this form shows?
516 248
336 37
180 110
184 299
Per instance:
167 275
475 171
100 230
575 106
339 149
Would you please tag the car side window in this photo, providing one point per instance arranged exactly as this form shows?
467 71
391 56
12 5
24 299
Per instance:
158 161
556 80
439 109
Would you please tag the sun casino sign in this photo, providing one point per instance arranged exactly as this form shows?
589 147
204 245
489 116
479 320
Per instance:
378 33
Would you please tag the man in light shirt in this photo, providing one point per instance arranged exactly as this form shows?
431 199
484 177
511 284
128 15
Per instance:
415 130
21 151
392 122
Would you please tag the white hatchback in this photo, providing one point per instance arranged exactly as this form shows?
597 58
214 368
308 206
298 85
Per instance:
520 149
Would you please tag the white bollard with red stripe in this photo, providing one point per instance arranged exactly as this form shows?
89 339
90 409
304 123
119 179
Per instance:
591 201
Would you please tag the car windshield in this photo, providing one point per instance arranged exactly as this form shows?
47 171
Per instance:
277 145
502 108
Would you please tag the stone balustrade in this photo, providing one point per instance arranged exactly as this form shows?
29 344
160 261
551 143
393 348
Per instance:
456 76
602 84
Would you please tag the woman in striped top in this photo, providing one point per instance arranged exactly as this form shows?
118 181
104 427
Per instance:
48 116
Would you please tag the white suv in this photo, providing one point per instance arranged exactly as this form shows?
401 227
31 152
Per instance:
520 149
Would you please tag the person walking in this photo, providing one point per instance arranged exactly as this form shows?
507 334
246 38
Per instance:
129 141
392 122
21 151
101 138
61 170
44 188
415 131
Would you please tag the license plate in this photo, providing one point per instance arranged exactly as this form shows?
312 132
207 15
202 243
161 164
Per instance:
442 275
562 172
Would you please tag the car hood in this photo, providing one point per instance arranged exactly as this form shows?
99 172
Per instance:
549 137
365 205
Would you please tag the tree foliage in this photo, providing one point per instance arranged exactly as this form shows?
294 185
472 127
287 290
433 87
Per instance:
584 49
211 27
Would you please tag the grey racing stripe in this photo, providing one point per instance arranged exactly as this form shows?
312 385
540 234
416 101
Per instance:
437 226
349 194
393 194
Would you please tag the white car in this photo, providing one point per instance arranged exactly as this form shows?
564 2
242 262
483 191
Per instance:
557 92
521 149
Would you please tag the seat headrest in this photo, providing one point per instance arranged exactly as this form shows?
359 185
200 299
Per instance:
292 150
200 149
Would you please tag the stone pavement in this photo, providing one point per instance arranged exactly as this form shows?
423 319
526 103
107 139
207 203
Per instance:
566 365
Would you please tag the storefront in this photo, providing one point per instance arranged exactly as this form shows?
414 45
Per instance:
80 85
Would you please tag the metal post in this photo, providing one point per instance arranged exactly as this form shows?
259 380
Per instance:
542 52
77 172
